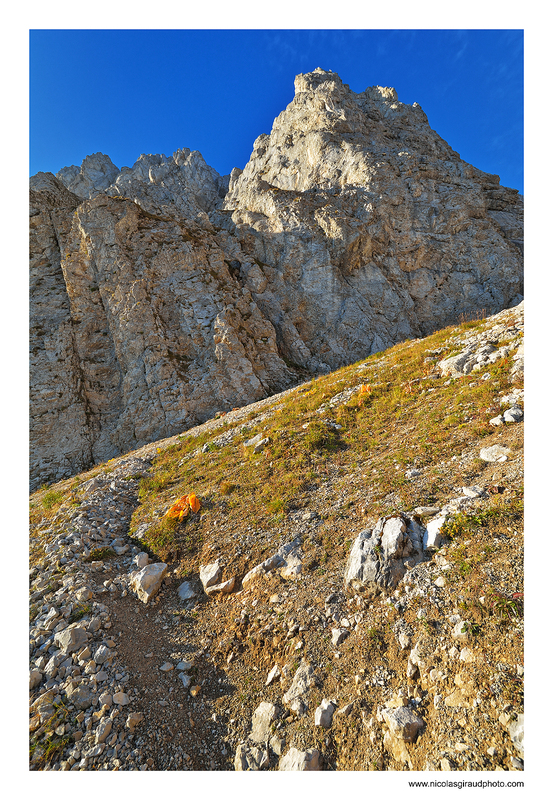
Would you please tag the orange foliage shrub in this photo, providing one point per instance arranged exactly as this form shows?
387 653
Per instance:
182 507
365 389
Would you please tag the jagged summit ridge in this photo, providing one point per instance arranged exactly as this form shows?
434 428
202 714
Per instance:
163 292
183 181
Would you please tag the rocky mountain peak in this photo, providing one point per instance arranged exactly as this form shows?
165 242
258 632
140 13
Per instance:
167 292
95 174
312 80
182 181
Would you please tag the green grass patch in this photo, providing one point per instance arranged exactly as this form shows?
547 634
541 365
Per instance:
100 554
52 498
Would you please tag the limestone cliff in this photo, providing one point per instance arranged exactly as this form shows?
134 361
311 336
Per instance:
159 298
375 226
141 330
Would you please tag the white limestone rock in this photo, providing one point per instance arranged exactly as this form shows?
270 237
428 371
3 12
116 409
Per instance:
460 631
186 591
432 539
273 675
300 760
263 717
133 720
210 574
516 732
474 491
287 559
324 713
403 723
378 557
496 453
338 635
296 696
221 588
141 560
513 414
71 638
250 758
148 581
35 678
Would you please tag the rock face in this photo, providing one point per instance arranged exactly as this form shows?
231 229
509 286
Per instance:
164 293
367 226
139 330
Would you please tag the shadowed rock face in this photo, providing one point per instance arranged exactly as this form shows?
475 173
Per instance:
159 298
140 331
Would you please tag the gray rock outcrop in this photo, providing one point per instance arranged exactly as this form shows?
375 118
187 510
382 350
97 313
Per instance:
296 696
377 560
95 174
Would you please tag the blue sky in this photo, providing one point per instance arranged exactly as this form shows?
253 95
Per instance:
127 92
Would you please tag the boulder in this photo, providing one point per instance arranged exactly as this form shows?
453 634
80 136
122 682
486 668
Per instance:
210 574
288 559
249 758
141 560
102 654
474 491
81 695
296 696
460 632
133 720
403 723
103 730
257 443
300 760
222 588
35 677
186 591
263 716
273 675
71 638
431 539
338 635
147 582
495 453
324 713
514 414
516 732
377 560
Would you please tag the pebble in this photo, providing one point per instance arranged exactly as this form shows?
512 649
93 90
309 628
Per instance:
466 655
474 491
496 453
338 635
